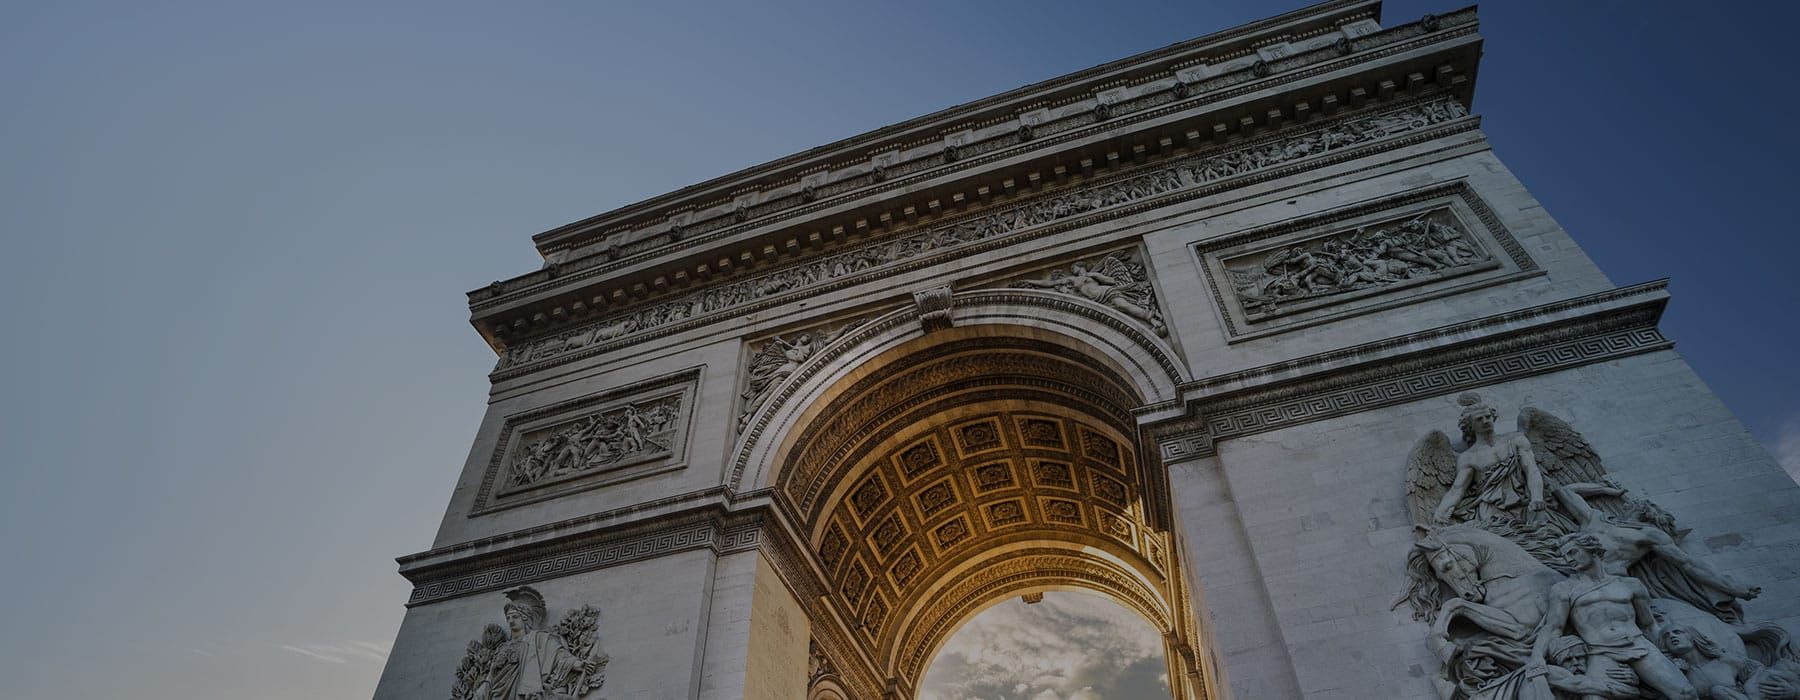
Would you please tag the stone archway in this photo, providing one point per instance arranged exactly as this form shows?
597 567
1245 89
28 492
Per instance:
933 474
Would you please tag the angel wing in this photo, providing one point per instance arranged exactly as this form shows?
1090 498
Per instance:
1564 456
1430 469
1124 272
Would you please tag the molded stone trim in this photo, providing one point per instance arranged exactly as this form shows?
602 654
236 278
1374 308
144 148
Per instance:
1617 323
663 226
1132 191
716 533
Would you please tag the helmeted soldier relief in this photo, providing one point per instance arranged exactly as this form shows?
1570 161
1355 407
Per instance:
526 661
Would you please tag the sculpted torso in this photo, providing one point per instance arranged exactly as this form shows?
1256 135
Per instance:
1601 613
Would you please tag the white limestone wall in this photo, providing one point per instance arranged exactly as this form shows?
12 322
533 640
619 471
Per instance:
757 635
1231 603
708 437
652 623
1322 510
1196 321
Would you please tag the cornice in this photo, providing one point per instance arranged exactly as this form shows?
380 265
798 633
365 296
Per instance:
1154 99
1131 191
720 533
1504 347
1218 46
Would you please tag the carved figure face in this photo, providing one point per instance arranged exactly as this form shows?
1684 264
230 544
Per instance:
1678 641
1457 569
516 623
1576 555
1482 422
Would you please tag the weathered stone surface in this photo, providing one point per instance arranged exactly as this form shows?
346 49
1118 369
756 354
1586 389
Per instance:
1181 332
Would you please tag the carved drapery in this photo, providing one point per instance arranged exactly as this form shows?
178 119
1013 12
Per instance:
774 359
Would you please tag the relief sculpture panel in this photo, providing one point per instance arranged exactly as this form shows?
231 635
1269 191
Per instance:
1116 280
619 434
1543 578
1399 250
775 359
1412 249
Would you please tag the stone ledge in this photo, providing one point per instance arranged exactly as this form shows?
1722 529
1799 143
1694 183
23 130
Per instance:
1546 338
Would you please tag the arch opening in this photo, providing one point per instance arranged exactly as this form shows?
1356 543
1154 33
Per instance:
949 472
1066 643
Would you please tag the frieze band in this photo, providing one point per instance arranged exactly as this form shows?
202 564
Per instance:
984 230
1229 76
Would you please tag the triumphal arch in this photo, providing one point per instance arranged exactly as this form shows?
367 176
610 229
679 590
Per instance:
1231 332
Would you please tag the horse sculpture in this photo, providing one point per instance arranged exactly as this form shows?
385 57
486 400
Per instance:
1494 582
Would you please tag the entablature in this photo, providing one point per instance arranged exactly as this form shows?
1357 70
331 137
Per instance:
1196 107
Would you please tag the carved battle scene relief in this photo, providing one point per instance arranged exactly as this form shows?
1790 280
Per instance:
634 431
530 658
1372 256
986 229
618 434
1116 280
1543 578
1410 250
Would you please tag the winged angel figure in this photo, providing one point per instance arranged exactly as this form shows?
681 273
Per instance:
523 660
1493 478
1505 518
1114 281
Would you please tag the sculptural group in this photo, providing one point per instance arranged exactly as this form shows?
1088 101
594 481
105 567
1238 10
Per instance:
1372 256
1542 578
527 660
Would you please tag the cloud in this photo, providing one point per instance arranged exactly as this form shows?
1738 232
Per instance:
344 652
1069 647
1787 446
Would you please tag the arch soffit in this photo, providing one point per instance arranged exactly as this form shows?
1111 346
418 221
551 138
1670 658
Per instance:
1125 350
893 547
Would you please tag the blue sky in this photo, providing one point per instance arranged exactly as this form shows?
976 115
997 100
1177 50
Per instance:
237 237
